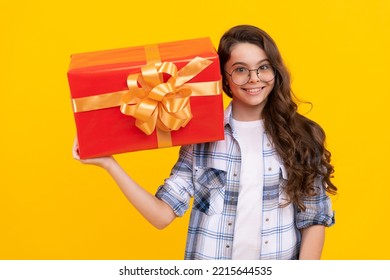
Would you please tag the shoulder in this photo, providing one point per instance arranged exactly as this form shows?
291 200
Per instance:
197 149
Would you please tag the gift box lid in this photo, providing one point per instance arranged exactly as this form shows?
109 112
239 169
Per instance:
183 50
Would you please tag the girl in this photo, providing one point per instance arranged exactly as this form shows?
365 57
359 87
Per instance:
262 192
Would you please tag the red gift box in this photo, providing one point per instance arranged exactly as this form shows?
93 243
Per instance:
146 97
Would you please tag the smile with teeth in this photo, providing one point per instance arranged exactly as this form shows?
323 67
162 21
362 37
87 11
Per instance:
253 90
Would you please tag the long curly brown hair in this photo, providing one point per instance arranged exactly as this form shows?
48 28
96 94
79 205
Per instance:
299 141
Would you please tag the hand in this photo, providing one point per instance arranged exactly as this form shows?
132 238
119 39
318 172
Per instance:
99 161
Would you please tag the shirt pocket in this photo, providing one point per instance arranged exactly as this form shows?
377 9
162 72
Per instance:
209 190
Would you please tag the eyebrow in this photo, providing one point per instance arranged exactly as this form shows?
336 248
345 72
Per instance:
243 63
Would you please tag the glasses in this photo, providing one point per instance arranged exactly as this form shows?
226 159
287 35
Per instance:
241 75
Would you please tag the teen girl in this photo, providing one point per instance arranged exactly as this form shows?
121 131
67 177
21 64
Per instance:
262 193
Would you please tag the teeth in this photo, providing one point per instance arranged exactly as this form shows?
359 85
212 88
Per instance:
253 90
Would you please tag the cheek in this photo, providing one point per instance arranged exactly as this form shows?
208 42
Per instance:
233 87
271 86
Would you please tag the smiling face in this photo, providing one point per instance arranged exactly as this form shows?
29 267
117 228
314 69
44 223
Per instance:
250 98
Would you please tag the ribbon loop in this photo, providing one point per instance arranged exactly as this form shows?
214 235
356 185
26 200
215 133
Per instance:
158 92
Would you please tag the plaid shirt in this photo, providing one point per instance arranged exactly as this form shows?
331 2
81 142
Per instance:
210 173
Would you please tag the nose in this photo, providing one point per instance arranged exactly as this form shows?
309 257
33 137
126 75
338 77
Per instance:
253 77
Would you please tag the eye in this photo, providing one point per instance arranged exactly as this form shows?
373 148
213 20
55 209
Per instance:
241 70
265 67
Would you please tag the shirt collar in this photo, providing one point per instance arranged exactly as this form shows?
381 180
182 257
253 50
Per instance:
228 116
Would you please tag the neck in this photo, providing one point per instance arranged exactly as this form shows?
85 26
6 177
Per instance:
249 113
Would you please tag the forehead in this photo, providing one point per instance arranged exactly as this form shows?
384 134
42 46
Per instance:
246 53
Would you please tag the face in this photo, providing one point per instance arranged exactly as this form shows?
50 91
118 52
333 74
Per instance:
250 98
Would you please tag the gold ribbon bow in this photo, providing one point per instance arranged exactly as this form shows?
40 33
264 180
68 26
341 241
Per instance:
158 105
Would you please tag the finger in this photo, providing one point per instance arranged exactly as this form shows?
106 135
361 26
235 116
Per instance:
75 142
75 150
75 155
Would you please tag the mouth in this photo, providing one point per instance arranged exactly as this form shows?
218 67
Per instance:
253 91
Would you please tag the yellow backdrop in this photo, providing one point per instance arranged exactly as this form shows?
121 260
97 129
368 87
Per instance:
52 207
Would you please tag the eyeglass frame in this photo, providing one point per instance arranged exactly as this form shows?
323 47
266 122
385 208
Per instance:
249 74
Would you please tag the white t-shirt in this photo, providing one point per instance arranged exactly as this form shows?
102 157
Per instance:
247 231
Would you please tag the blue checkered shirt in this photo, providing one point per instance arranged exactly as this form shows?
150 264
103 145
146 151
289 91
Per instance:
210 173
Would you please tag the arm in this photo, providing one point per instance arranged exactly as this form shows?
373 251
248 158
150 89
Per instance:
313 221
154 210
313 238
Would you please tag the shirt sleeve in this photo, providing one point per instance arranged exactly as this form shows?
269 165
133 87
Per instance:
318 210
178 189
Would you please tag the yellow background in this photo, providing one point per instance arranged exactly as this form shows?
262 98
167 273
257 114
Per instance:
52 207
